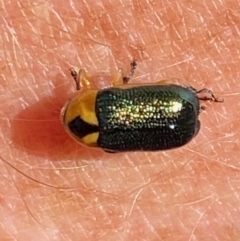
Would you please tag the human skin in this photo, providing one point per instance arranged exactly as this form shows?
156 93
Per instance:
51 187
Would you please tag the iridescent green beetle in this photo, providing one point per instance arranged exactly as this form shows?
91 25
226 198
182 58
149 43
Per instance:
142 117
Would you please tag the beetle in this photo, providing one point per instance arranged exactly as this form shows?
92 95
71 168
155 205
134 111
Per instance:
134 117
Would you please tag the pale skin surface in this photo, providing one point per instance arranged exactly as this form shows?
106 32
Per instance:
56 189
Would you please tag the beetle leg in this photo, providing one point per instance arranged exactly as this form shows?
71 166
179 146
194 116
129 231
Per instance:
132 71
206 94
81 79
117 78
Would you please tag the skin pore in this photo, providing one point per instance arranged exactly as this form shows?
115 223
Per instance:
55 189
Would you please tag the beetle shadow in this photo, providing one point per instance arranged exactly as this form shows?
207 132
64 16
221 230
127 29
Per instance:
38 130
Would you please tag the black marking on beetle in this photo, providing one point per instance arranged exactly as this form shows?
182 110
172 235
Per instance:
81 128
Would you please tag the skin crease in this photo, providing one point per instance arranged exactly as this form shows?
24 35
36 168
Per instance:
51 188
